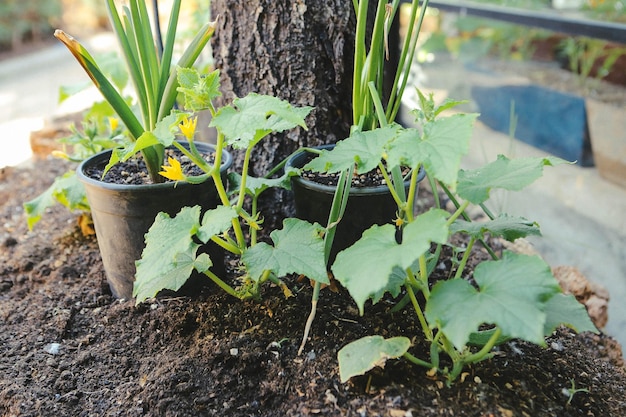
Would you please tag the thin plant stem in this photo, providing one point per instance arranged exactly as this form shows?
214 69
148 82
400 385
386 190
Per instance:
307 327
465 258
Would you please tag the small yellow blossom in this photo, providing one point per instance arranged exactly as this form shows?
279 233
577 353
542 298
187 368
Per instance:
113 123
174 171
188 127
399 222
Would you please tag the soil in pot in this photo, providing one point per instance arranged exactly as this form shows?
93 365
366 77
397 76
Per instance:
67 348
124 206
369 203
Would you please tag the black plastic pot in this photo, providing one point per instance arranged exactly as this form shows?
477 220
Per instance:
122 214
366 205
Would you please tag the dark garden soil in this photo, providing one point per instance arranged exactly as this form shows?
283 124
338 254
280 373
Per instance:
67 348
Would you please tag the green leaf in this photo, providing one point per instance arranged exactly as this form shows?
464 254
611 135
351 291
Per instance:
358 357
509 174
216 221
564 309
365 149
168 258
298 248
253 117
439 148
255 185
66 190
198 91
369 267
508 227
512 294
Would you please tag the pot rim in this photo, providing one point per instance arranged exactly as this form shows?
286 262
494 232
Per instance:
328 189
227 161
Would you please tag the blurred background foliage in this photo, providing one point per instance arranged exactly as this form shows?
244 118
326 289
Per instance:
24 22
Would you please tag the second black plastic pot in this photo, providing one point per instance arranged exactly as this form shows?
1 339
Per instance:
122 215
366 205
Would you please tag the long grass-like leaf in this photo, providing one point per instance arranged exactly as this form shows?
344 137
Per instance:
148 62
168 48
189 57
127 42
102 83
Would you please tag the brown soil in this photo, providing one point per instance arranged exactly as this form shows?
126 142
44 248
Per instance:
67 348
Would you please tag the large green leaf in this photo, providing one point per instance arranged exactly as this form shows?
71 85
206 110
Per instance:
358 357
564 309
168 258
439 148
363 149
512 294
368 267
508 227
509 174
253 117
298 248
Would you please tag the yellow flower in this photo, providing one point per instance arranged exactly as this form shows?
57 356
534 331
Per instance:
174 171
188 127
113 123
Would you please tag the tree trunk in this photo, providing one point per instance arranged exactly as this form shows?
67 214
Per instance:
297 50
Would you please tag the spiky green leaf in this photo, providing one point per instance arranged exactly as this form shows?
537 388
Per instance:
358 357
298 248
512 294
363 149
168 258
369 267
509 174
505 226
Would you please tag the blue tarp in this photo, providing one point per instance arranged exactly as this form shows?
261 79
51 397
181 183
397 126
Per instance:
547 119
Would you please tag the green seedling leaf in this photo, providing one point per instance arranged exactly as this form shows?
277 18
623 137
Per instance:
512 294
216 221
505 226
564 309
439 148
66 190
358 357
298 248
369 267
509 174
363 149
198 91
250 119
255 186
169 256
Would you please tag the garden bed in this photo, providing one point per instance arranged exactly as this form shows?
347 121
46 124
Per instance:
67 348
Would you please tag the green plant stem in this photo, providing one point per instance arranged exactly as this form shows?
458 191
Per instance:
221 190
464 259
253 230
226 245
418 361
420 316
412 193
484 352
229 290
459 211
244 177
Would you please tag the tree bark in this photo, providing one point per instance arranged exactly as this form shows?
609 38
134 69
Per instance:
297 50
